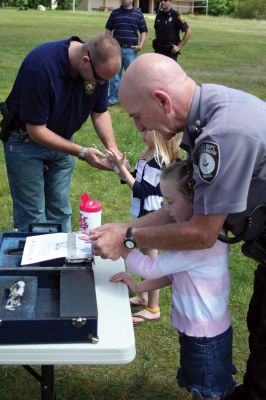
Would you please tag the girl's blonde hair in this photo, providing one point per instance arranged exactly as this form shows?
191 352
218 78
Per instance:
165 151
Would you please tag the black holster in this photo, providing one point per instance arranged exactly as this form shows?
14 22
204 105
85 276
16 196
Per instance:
5 124
157 46
256 249
253 233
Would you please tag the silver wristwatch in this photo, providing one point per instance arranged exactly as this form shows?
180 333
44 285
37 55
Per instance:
82 152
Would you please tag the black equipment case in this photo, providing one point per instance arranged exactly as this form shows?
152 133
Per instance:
59 301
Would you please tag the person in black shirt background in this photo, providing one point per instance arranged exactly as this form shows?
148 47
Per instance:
168 24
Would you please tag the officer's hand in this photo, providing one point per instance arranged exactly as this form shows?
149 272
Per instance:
107 240
97 159
175 49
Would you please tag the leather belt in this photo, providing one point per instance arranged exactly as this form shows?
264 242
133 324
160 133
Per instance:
126 46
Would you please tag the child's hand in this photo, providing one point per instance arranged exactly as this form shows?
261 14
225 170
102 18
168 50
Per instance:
118 159
127 278
107 164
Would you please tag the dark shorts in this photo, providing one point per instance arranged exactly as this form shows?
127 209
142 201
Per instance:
206 364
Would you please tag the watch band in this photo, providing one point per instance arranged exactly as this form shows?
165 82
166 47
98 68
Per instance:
129 233
129 241
82 152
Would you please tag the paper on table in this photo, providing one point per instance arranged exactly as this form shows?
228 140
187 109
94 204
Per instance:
54 245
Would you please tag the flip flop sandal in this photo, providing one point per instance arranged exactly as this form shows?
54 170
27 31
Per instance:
144 319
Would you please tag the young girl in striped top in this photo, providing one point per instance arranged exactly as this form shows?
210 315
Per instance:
200 290
146 197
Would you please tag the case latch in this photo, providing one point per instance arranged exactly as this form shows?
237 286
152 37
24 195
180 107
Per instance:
79 322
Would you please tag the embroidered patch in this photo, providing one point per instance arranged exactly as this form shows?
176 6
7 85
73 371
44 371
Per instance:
181 19
209 160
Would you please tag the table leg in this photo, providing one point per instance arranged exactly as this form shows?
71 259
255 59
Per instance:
46 380
48 392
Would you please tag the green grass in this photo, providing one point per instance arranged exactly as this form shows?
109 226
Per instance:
222 50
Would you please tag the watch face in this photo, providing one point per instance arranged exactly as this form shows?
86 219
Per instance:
129 244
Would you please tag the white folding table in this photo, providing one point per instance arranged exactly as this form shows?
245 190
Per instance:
115 330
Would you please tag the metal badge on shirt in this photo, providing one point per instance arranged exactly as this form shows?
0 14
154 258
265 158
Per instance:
89 86
209 160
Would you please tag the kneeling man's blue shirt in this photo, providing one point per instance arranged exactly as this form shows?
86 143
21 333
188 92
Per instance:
45 93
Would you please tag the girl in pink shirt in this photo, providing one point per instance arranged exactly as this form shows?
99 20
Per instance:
200 290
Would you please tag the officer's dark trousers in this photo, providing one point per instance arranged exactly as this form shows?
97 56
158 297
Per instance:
255 377
168 54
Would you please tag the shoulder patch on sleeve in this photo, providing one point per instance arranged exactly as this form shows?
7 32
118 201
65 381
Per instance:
209 160
181 19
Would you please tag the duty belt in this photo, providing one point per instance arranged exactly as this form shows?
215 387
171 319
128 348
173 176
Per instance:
162 46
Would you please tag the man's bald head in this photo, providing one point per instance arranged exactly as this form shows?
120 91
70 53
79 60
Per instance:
151 71
153 78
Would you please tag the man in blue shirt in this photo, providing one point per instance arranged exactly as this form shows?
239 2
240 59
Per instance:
59 84
124 24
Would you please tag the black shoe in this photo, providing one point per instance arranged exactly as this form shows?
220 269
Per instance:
238 394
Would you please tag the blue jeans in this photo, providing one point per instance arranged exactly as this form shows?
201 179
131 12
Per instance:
128 55
206 364
39 181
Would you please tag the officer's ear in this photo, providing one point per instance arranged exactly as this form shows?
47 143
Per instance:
164 100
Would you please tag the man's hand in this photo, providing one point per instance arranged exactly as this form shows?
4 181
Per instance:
137 48
107 240
97 159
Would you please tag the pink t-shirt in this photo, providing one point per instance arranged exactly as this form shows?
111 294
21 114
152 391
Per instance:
200 286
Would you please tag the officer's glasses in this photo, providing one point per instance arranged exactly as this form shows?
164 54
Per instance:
95 74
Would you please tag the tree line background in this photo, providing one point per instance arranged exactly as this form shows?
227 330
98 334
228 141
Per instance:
245 9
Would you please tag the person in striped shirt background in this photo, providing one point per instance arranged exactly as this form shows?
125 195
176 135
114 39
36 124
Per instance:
128 27
200 290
